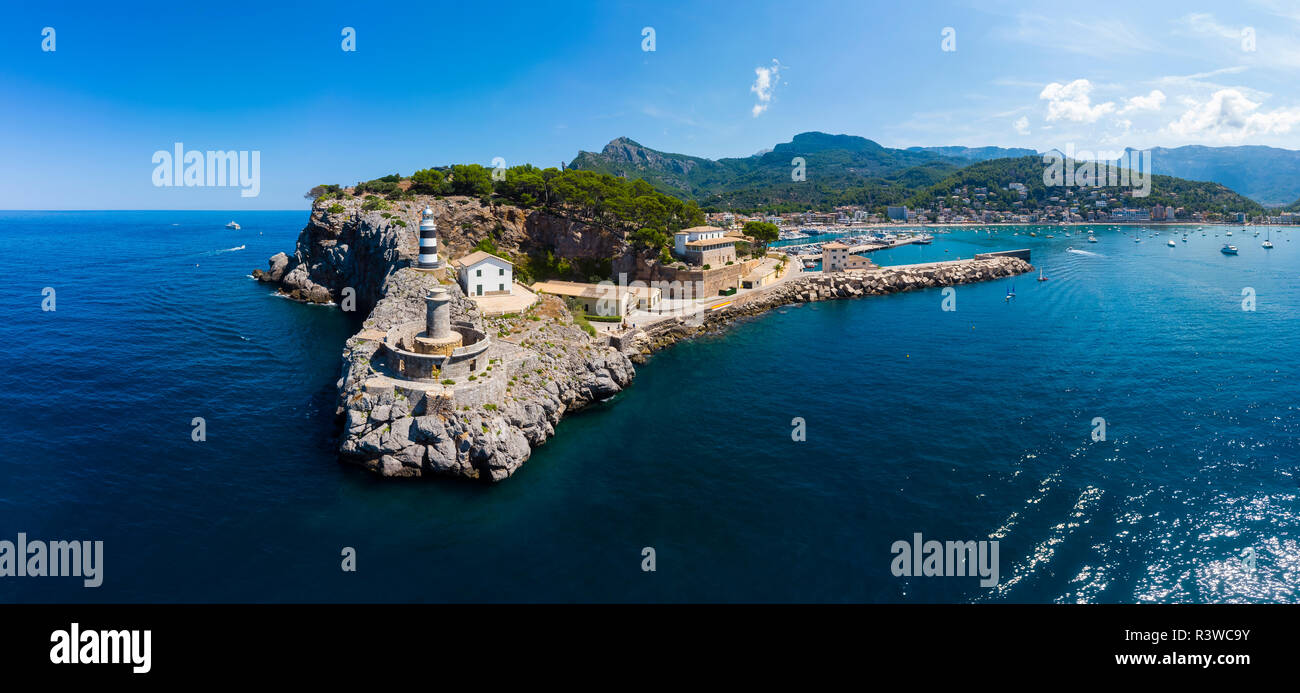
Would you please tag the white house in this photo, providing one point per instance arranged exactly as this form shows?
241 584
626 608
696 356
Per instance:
695 233
485 274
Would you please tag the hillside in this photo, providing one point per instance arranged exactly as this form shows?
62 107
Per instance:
1268 175
997 174
839 169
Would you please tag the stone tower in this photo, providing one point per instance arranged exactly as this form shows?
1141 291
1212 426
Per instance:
438 337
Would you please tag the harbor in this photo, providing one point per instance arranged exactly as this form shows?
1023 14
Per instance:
808 254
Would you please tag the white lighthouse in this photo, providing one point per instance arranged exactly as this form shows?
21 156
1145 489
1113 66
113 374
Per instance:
428 241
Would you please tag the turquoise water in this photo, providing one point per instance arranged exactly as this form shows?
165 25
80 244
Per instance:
959 425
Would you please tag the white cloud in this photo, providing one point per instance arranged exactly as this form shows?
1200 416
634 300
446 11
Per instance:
1203 23
765 82
1150 102
1229 117
1072 102
1021 125
1090 36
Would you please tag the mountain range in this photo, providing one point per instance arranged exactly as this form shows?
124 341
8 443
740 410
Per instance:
847 169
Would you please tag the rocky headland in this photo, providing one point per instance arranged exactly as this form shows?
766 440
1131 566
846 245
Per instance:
541 366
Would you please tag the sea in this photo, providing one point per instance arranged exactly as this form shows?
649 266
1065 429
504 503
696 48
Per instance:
1127 430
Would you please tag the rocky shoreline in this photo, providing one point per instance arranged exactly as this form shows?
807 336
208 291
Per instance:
543 366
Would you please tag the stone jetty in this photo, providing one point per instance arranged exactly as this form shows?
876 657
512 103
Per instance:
640 343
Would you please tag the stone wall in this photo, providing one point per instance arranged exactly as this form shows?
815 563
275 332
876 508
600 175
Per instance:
710 281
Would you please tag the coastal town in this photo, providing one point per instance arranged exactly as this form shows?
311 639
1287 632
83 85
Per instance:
1009 205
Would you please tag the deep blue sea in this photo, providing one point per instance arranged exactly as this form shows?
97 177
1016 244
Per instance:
973 424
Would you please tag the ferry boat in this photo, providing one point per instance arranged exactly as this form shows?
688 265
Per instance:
232 225
1228 249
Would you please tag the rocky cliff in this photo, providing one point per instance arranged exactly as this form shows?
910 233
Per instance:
347 245
543 366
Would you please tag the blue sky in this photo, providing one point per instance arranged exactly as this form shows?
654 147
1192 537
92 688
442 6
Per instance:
439 83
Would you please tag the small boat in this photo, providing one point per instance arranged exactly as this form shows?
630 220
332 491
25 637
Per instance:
1228 249
1011 293
1268 242
1092 238
1171 243
1137 240
232 225
1229 233
1041 278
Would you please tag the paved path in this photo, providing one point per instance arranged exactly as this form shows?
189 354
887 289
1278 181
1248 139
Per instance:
515 302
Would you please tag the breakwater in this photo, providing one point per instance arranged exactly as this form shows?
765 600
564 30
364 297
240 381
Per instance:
640 343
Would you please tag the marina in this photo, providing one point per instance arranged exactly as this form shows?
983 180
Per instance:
810 253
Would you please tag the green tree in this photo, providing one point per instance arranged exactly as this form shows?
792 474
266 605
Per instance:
649 239
471 179
430 181
762 232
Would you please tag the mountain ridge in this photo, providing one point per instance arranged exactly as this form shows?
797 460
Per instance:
853 170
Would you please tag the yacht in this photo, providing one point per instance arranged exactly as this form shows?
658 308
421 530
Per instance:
1172 244
232 225
1268 242
1092 238
1229 233
1228 249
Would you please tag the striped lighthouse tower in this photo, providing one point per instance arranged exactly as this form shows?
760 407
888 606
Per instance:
428 241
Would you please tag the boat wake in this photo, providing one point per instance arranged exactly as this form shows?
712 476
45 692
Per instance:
1084 252
231 250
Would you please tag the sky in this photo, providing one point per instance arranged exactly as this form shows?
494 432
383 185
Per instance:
435 83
